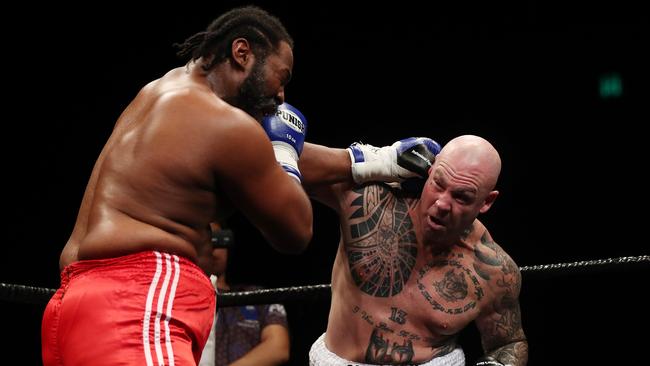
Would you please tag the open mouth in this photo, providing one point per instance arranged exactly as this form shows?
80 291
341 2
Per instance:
436 223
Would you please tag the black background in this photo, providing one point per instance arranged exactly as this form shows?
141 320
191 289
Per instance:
523 74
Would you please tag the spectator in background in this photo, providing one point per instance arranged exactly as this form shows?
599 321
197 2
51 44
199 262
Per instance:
242 335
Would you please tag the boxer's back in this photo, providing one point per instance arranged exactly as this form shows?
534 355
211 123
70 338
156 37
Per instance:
153 186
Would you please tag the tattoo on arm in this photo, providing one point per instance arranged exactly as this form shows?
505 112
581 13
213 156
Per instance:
508 321
382 248
504 335
515 354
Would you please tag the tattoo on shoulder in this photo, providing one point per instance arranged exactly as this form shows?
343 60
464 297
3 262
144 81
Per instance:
383 248
487 251
490 254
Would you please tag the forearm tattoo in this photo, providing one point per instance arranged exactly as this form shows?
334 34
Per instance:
515 354
382 248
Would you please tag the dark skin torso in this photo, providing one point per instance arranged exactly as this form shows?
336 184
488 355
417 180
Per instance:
147 189
169 169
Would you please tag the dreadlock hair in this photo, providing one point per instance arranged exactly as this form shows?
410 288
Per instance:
262 30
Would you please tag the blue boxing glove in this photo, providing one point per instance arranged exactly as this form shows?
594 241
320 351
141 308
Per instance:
287 129
404 160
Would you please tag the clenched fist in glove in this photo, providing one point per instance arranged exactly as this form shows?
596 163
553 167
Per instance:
405 159
287 129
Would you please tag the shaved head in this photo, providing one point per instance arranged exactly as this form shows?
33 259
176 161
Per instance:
460 187
473 154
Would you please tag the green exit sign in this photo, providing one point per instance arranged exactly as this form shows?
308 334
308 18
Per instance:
610 85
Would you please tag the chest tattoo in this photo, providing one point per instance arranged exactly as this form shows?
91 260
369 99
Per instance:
382 248
452 287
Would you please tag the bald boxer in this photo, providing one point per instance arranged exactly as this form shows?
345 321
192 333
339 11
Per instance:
411 270
186 151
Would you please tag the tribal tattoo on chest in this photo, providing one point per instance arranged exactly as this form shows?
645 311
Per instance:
382 248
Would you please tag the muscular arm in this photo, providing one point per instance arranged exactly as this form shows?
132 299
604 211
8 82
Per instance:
325 170
272 350
256 184
501 331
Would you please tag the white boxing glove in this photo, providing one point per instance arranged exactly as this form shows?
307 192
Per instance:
405 159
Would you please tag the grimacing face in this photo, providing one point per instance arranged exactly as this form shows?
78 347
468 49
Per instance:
450 202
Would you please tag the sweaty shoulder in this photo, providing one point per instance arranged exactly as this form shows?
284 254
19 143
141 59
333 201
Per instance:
197 108
197 103
184 118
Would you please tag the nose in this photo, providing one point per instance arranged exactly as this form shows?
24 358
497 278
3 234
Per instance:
279 98
442 204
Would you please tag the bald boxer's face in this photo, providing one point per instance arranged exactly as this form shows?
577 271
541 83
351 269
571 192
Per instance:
450 201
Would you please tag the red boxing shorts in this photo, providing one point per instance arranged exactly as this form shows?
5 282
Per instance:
147 308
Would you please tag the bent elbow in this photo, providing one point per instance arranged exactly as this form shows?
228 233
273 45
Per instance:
299 242
284 357
305 239
293 232
304 231
297 239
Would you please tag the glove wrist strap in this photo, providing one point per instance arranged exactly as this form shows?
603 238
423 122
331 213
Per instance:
370 163
287 156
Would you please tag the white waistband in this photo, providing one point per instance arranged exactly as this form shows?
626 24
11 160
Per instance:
319 355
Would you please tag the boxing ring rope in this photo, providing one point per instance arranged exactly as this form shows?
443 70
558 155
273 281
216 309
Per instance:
39 295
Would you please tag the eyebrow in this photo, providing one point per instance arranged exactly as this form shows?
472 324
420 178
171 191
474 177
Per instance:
462 190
